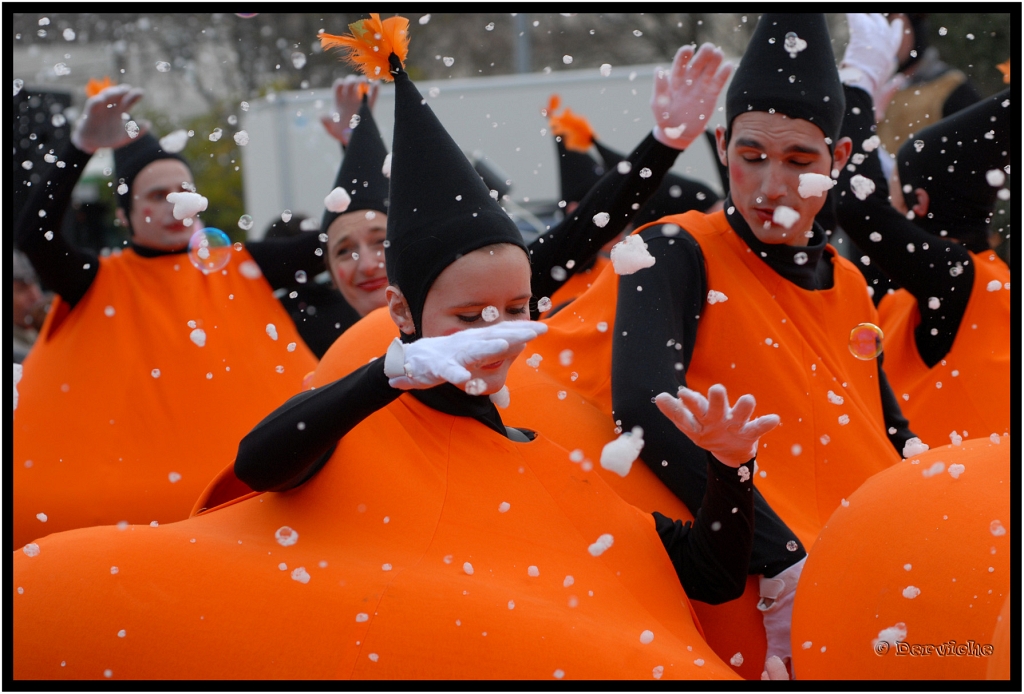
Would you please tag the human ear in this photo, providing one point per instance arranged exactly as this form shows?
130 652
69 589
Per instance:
842 153
398 307
921 206
722 145
123 219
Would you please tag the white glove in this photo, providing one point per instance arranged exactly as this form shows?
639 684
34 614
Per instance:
101 124
884 94
431 361
347 101
870 58
685 95
776 606
728 433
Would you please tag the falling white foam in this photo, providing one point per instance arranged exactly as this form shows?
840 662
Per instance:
630 255
602 544
786 216
814 185
337 200
618 455
187 204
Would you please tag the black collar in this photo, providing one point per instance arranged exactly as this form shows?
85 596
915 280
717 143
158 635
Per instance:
814 273
453 400
147 252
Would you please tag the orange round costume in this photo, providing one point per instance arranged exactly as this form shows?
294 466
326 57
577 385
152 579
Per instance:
579 283
128 407
969 390
429 546
919 556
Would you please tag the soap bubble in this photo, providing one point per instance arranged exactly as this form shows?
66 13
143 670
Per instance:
209 250
866 341
245 222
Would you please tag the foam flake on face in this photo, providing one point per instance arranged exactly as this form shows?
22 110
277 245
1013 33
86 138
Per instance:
618 455
814 185
786 216
631 255
475 386
914 446
502 398
337 200
603 543
186 204
490 314
285 536
544 304
646 636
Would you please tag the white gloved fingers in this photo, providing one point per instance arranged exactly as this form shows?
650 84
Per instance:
454 373
695 402
479 350
518 331
718 404
131 98
896 37
743 408
678 414
756 428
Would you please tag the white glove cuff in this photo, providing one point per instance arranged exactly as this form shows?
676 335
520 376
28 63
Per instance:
779 586
661 137
394 359
855 77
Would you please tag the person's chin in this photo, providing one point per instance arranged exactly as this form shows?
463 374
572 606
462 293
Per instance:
493 375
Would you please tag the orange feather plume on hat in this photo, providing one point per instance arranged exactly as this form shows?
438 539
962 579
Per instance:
94 86
371 43
1005 69
574 129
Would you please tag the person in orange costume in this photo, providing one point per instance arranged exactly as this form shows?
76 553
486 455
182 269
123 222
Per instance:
147 370
947 329
392 542
744 294
919 555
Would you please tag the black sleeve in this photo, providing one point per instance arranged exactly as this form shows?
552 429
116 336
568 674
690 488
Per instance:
928 266
711 556
576 238
63 268
960 98
897 428
294 441
655 332
279 259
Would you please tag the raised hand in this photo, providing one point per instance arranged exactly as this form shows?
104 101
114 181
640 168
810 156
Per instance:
348 96
431 361
870 59
102 123
727 433
685 95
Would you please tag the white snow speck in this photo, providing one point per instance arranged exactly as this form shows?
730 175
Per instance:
559 674
835 399
744 473
994 438
699 662
186 204
31 549
646 173
914 446
796 449
624 167
994 286
844 419
844 503
534 361
132 128
907 567
658 671
272 331
602 327
504 506
736 660
374 657
602 544
424 19
934 302
910 592
122 189
567 59
532 571
862 187
241 138
198 336
301 575
875 236
892 635
646 636
630 255
475 386
606 69
286 537
813 185
569 580
215 135
995 177
174 142
601 219
793 44
544 304
337 200
362 617
558 273
291 346
935 469
511 604
871 144
386 567
786 216
108 673
173 477
502 398
618 455
490 314
565 357
386 168
41 517
996 528
17 379
806 645
955 438
122 633
955 470
716 297
249 269
468 568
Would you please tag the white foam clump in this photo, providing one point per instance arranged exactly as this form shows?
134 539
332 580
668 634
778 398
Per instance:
301 575
646 636
631 255
250 270
241 138
286 536
337 200
892 635
602 544
618 455
501 398
914 446
814 185
187 204
32 549
871 144
862 186
996 528
994 286
601 219
935 469
534 361
955 438
468 568
786 216
737 659
910 592
174 142
995 177
955 470
17 378
272 331
715 297
386 169
198 336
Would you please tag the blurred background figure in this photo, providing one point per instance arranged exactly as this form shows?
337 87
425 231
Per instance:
30 306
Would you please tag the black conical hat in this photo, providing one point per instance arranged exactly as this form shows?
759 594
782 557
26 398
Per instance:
609 155
789 67
951 161
577 171
440 208
361 172
132 158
